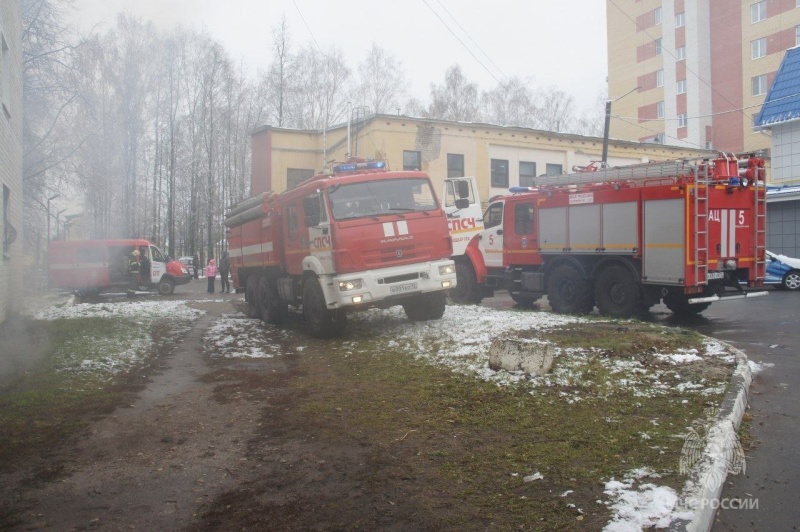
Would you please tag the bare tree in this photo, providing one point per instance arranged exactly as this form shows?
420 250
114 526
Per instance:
382 81
510 104
556 110
456 100
281 69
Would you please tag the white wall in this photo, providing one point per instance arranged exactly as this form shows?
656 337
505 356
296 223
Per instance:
785 154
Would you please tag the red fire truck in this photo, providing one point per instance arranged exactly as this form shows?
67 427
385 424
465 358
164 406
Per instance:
359 237
624 238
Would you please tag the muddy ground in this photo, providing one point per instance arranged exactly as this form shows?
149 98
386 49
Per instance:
205 444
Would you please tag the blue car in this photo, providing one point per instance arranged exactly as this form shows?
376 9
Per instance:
783 271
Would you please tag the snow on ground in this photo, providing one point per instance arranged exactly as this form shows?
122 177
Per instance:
460 341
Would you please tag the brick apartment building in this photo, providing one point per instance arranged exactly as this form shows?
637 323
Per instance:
702 68
10 157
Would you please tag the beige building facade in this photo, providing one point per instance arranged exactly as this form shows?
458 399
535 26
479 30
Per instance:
499 157
698 70
11 261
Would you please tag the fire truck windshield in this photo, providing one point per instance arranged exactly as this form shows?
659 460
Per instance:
380 197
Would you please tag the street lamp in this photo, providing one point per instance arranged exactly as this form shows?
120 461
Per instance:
608 125
54 196
58 227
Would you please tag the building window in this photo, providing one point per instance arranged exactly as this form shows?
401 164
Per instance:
5 76
760 85
657 15
758 48
527 173
659 139
758 11
680 87
658 46
660 78
554 169
660 110
680 53
455 165
295 176
500 173
412 160
680 20
682 121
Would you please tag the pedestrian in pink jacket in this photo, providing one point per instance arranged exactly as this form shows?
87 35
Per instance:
211 274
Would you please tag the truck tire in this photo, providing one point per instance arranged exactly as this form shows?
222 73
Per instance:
425 307
251 295
466 290
166 286
618 292
323 322
568 292
273 310
678 303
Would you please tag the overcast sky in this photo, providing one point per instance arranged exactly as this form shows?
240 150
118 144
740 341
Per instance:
552 43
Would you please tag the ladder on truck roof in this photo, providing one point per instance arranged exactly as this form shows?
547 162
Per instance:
624 173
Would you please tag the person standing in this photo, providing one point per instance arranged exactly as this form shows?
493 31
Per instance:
134 266
196 266
224 269
211 274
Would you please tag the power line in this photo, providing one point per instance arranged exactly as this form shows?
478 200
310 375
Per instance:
660 133
462 43
306 25
471 39
704 82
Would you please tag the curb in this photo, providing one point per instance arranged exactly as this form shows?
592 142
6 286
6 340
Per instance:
701 492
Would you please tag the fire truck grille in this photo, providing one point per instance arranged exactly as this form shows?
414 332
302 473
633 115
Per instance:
379 258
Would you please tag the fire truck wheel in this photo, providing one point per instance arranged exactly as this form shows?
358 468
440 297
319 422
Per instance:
466 290
568 292
617 292
791 281
166 286
426 307
324 323
251 295
679 304
273 310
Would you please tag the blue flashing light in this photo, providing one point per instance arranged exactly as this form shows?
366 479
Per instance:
349 167
515 190
734 182
376 164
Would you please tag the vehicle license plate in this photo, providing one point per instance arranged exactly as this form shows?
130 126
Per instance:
403 288
716 275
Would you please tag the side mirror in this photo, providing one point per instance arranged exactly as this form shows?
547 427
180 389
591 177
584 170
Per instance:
462 203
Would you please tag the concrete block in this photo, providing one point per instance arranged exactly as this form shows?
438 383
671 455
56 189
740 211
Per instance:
535 358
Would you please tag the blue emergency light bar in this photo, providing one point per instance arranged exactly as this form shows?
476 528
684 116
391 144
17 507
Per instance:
352 167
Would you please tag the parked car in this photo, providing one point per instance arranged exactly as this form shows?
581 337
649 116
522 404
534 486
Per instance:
783 271
189 263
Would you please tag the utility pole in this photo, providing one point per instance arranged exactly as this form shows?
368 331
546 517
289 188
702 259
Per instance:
51 198
607 127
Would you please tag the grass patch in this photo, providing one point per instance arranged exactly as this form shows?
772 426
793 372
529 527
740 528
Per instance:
439 448
84 368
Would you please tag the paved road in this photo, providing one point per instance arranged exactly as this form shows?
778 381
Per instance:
767 329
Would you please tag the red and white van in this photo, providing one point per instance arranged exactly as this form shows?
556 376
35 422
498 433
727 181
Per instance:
91 266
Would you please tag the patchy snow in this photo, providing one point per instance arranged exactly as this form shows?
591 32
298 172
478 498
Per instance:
639 505
460 341
758 367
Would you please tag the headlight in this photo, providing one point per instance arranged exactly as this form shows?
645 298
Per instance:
344 286
450 269
184 270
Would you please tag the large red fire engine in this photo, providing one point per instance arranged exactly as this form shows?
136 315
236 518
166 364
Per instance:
687 232
359 237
